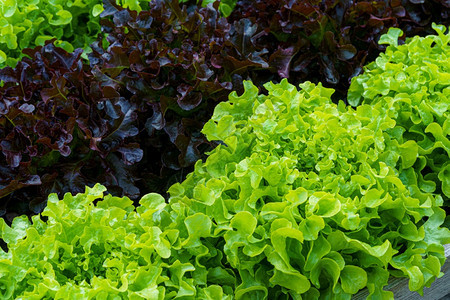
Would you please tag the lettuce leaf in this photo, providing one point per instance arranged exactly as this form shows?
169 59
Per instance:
411 83
312 192
94 246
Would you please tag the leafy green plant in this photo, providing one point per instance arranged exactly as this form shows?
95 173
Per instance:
99 247
303 199
29 23
412 84
309 198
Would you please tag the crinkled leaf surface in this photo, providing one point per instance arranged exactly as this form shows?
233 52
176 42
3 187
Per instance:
412 84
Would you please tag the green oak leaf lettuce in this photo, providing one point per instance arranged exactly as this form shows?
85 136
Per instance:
411 83
29 23
311 194
96 246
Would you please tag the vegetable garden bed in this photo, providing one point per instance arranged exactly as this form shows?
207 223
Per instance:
210 150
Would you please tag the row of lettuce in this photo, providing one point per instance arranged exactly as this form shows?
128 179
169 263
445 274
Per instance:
302 199
130 117
74 24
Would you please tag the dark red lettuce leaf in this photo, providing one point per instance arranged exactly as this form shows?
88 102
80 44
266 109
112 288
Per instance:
325 41
62 126
169 65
